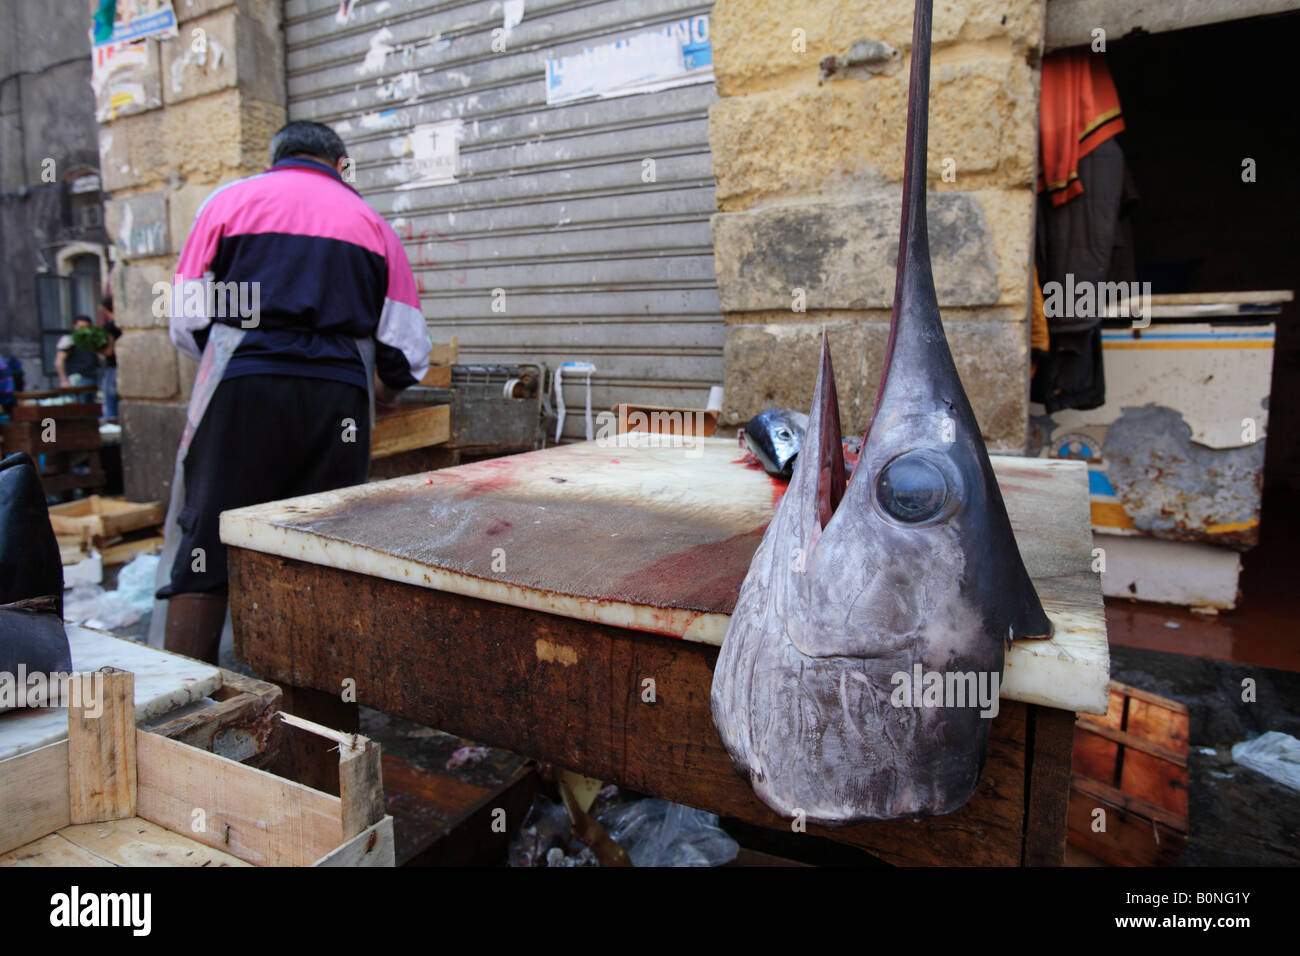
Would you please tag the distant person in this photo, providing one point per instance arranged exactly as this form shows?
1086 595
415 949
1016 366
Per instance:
7 399
16 370
75 362
108 379
315 308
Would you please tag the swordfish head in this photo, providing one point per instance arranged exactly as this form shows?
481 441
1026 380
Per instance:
860 669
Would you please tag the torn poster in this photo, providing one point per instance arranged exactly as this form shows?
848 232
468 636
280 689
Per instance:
124 75
124 21
673 55
512 15
125 79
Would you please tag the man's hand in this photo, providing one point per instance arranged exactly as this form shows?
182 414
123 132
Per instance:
385 397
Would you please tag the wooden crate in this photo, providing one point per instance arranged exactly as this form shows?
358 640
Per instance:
410 427
99 517
240 720
666 420
445 353
70 435
113 795
441 359
75 437
1132 765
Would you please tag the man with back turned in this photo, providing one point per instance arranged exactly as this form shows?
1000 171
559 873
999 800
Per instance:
300 303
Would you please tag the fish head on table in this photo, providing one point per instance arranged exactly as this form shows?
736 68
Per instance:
861 667
774 436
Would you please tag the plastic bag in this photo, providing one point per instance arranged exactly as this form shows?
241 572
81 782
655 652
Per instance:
1276 755
112 610
94 607
545 839
135 582
659 833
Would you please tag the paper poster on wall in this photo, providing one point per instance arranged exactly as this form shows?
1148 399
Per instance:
123 21
124 75
435 154
673 55
123 80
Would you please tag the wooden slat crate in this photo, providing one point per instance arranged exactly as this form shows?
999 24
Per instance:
75 434
441 359
101 518
239 720
1132 765
113 795
663 420
410 427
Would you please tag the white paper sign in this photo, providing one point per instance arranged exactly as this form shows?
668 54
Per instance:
435 154
673 55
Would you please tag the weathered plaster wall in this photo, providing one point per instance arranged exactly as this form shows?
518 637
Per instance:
217 105
808 171
46 113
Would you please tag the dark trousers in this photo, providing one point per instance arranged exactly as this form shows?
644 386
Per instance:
264 438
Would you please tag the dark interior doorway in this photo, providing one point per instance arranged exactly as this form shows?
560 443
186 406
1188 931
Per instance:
1196 104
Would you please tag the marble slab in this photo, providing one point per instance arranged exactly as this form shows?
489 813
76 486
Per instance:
659 539
163 682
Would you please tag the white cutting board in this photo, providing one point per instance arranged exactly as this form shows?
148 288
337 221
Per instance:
659 539
163 682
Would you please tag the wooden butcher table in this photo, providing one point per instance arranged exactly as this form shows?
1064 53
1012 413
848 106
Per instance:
568 604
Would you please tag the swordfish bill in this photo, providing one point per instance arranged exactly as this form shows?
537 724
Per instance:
860 671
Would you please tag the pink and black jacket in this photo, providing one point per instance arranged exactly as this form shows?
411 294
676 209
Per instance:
328 270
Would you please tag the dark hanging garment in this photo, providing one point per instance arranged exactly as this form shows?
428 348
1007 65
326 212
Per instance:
30 566
31 576
1071 374
1081 185
1077 239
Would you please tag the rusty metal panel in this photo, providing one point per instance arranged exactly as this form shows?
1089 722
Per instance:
1177 451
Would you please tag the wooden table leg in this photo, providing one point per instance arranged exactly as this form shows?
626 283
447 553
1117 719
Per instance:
1050 740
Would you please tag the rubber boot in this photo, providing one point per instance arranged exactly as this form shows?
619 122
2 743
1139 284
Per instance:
194 623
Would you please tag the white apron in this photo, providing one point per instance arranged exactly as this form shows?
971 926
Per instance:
222 341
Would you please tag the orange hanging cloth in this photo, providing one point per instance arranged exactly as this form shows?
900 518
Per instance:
1080 110
1039 337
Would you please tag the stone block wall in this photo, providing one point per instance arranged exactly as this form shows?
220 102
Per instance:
220 97
809 167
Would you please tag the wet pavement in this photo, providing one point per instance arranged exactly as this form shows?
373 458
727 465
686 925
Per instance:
1235 816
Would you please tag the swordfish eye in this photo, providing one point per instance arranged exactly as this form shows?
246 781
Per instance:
911 488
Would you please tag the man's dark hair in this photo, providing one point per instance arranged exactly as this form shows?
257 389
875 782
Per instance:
304 136
82 318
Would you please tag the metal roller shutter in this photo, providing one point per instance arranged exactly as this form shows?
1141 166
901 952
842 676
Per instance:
549 203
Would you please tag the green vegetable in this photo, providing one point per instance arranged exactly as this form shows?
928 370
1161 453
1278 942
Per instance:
93 339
